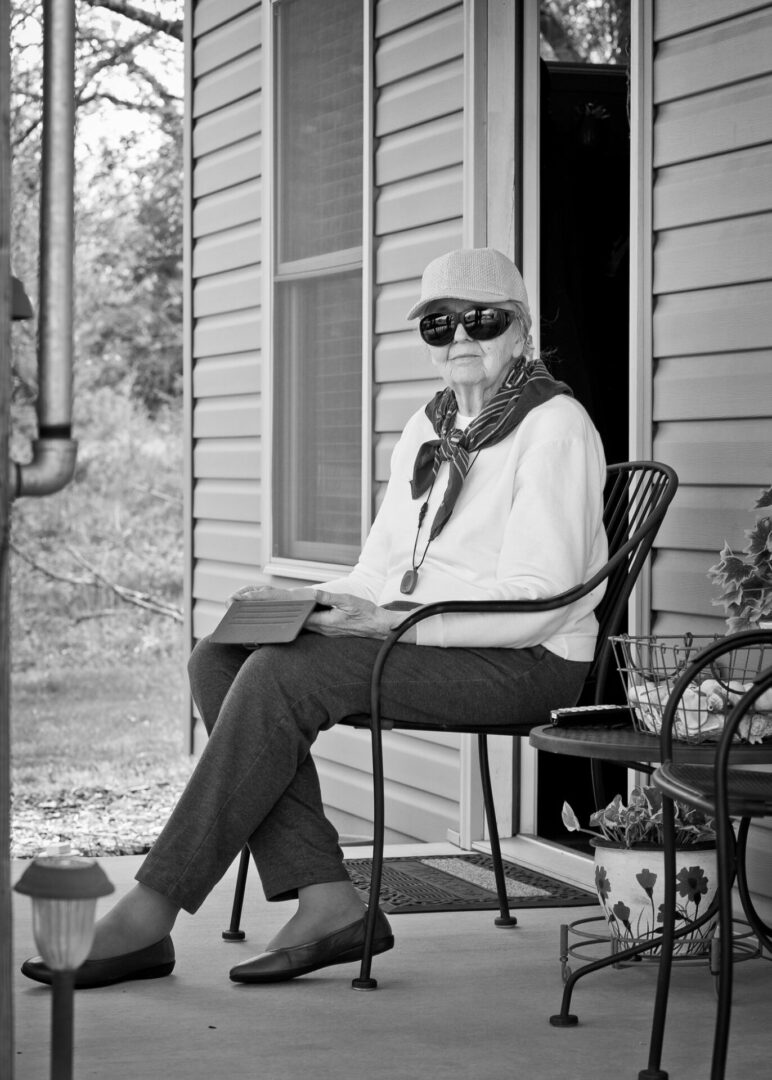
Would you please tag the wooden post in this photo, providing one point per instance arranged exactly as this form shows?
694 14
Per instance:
6 1007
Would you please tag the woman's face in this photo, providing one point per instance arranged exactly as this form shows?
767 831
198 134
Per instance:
474 369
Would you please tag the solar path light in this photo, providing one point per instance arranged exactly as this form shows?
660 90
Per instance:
64 891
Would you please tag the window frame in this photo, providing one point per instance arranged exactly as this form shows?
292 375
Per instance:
276 273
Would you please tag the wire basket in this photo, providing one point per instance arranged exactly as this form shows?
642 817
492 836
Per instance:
650 665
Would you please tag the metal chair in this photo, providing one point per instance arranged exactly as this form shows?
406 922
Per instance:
725 793
636 498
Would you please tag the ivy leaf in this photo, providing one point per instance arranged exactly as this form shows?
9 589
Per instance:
570 820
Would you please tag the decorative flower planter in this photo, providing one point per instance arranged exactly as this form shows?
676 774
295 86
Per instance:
631 888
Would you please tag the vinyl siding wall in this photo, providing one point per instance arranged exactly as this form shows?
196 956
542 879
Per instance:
417 199
712 287
712 267
226 118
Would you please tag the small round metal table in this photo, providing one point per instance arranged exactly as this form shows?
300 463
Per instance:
622 743
627 744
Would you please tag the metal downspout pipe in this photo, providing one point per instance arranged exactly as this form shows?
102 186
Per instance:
54 451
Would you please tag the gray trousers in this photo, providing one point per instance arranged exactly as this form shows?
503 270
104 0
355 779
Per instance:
256 782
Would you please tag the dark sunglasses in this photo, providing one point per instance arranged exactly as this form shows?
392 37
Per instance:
480 323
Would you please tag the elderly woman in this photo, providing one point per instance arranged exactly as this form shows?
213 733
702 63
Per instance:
495 493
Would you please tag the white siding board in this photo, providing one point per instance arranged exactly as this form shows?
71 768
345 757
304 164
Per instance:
419 200
232 165
394 302
228 41
206 615
714 123
404 255
734 51
702 518
239 373
423 97
396 404
217 335
682 583
384 448
391 15
234 500
233 290
400 355
671 19
228 250
228 125
409 812
227 209
233 416
227 84
420 46
435 772
207 14
241 541
228 458
216 580
730 451
713 320
729 186
408 363
678 623
697 388
714 254
420 149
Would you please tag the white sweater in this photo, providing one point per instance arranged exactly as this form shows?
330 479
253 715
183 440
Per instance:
527 524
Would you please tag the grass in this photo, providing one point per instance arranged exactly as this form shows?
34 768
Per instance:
99 717
97 684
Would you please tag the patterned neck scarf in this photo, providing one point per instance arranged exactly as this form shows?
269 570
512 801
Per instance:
523 389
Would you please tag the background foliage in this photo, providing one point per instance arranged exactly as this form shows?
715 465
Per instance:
97 683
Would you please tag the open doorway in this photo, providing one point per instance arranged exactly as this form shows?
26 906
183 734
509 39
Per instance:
584 287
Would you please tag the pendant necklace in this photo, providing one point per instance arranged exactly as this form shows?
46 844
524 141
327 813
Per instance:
410 577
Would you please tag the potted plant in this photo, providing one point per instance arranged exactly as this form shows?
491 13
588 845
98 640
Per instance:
745 577
629 868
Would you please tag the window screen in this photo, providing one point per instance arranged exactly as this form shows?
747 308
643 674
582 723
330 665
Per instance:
318 283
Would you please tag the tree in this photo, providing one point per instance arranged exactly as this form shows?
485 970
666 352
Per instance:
172 27
128 272
579 31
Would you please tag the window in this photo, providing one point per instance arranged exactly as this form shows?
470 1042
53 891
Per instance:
318 281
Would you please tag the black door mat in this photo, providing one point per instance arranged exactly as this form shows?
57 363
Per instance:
461 883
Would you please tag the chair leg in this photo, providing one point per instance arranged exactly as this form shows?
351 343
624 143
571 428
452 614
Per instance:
728 855
504 918
234 932
364 981
762 929
654 1071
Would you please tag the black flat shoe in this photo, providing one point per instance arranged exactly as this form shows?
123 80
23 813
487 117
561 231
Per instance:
341 947
152 962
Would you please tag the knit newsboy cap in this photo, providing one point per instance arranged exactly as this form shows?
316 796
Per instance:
482 275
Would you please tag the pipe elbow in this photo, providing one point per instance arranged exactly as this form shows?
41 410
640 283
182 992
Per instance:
52 467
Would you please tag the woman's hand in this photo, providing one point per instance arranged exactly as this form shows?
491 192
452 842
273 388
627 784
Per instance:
351 616
268 592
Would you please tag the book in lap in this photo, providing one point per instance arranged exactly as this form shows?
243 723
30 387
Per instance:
262 622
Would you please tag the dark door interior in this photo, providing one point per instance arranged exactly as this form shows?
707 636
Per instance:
585 192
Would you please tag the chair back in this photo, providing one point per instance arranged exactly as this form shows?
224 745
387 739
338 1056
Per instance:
637 496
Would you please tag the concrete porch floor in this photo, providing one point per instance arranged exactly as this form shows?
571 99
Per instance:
457 998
